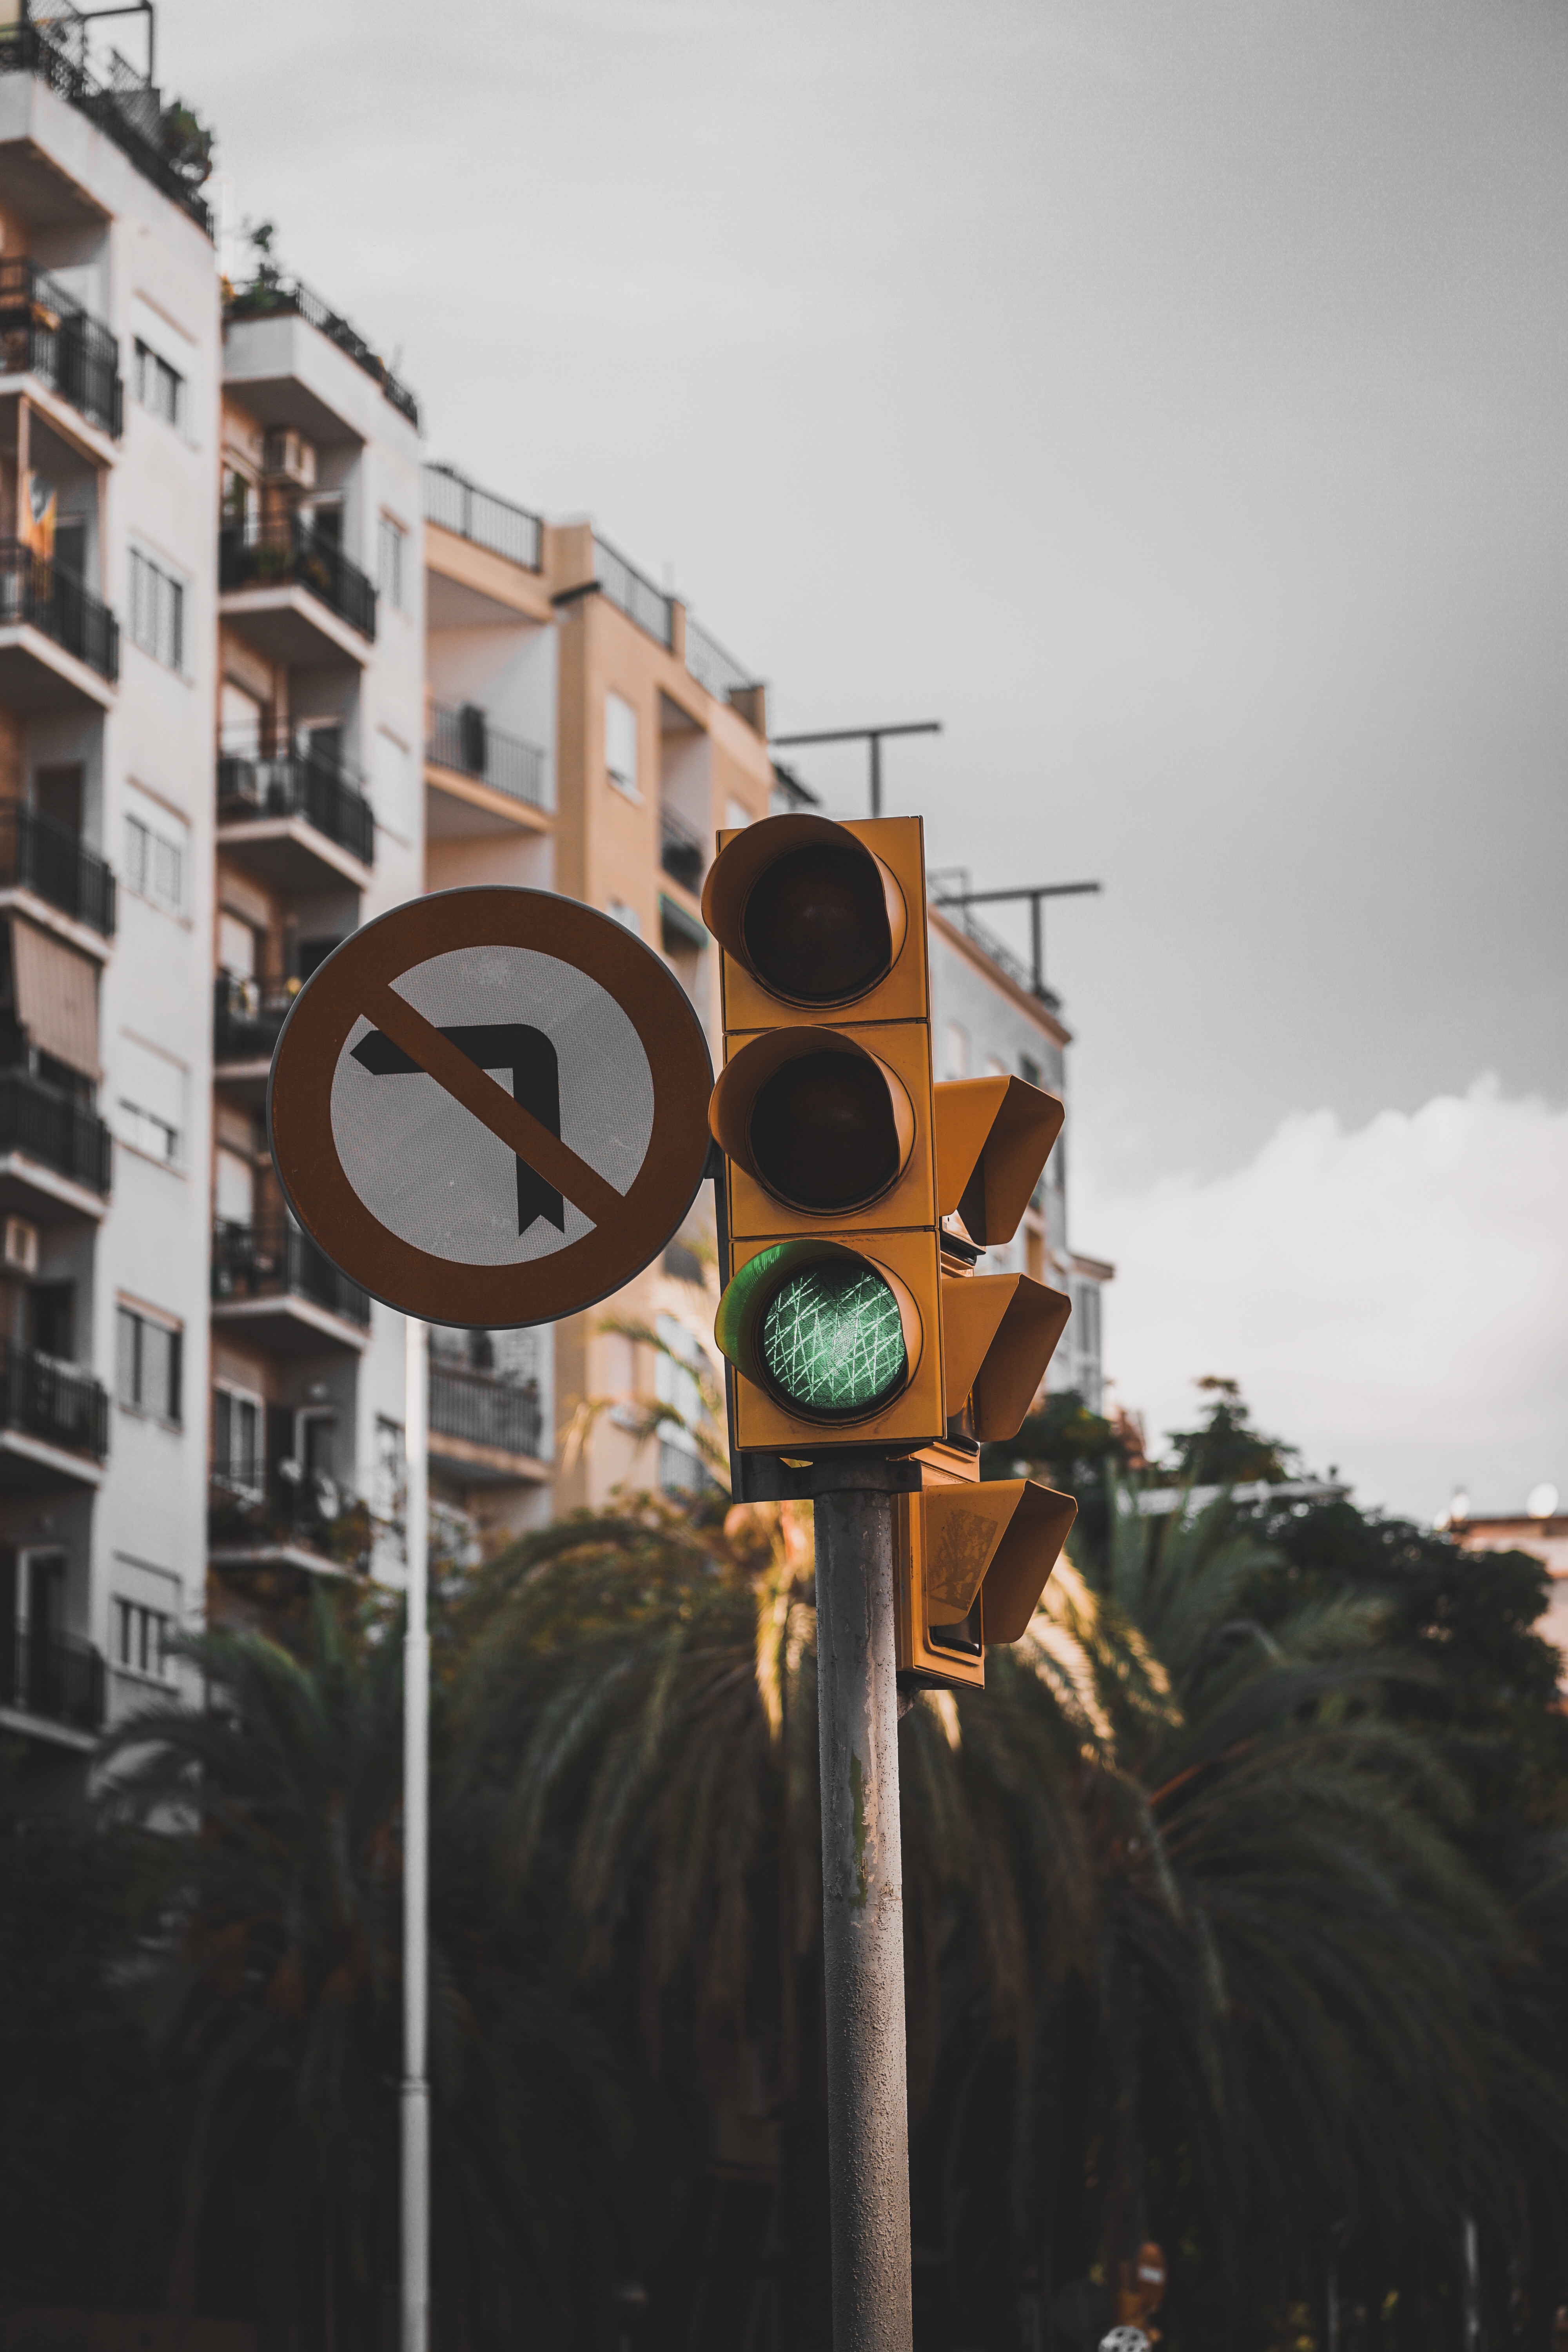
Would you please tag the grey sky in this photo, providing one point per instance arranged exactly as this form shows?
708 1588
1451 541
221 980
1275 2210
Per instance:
1169 398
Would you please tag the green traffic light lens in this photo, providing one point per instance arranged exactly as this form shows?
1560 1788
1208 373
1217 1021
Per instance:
831 1339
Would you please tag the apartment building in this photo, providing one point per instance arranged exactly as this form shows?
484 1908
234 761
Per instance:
110 333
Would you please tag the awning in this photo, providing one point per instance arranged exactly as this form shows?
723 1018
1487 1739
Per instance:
57 997
686 928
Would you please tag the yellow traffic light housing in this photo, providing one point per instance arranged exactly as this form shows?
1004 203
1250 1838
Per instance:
831 1315
974 1557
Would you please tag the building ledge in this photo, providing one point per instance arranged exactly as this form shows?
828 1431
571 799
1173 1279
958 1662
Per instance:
18 1719
280 1555
290 625
32 1463
488 1465
17 900
88 440
20 1174
289 1325
494 808
290 852
37 676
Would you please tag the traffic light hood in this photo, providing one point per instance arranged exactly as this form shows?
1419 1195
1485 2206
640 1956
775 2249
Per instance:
994 1137
812 914
813 1116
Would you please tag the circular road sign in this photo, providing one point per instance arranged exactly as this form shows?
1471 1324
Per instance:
491 1107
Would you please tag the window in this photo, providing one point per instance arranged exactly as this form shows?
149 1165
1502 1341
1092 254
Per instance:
236 947
621 745
394 786
234 1189
141 1639
678 1373
389 539
157 611
957 1050
149 1095
147 1367
236 1440
736 814
155 857
1028 1069
159 388
390 1468
628 917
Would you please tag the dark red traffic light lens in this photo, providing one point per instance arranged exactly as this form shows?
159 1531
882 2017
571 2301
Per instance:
816 925
823 1136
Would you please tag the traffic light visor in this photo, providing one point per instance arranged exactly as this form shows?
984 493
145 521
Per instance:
822 1124
815 915
994 1137
833 1336
999 1333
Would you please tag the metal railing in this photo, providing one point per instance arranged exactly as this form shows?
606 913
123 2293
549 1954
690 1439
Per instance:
276 1261
288 553
248 1015
269 295
284 1505
37 854
465 740
682 851
483 1411
1016 967
632 593
54 1401
41 595
296 784
49 1127
44 331
56 1675
456 504
712 667
36 49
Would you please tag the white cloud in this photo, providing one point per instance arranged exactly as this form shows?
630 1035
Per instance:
1392 1300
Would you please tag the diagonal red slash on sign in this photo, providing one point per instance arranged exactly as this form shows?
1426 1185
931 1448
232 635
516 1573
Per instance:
491 1105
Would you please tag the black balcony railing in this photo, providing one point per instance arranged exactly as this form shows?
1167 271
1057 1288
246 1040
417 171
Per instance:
37 854
46 1126
271 294
458 505
289 552
44 331
56 601
296 784
632 593
465 740
56 1675
483 1411
279 1261
682 852
256 1512
248 1015
162 142
55 1401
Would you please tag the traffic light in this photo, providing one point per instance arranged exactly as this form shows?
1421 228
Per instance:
831 1311
856 1199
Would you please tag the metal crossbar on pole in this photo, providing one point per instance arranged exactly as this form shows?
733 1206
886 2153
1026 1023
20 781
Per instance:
862 1923
1036 895
414 2104
871 735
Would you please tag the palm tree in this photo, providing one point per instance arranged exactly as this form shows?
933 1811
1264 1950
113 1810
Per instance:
272 1969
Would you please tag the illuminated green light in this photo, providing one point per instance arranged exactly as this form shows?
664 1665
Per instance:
832 1338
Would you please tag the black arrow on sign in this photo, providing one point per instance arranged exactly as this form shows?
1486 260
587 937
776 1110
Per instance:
529 1058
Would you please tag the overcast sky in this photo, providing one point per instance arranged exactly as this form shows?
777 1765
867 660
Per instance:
1168 398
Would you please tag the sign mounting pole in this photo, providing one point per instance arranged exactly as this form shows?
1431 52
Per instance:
415 2097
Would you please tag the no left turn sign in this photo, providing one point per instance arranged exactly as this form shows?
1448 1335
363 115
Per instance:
491 1107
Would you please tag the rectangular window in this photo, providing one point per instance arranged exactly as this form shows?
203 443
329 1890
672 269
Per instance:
394 786
390 1468
236 1440
157 611
957 1050
150 1097
389 539
159 388
621 745
141 1639
155 856
628 917
147 1364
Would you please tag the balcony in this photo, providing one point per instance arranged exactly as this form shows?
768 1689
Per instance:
274 1283
248 1016
485 1429
54 1154
163 143
47 860
52 1679
683 851
288 1520
270 296
509 772
295 592
54 1422
295 819
46 333
631 593
59 646
454 503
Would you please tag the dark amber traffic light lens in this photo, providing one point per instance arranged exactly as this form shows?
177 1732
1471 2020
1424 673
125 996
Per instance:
824 1137
831 1339
816 925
